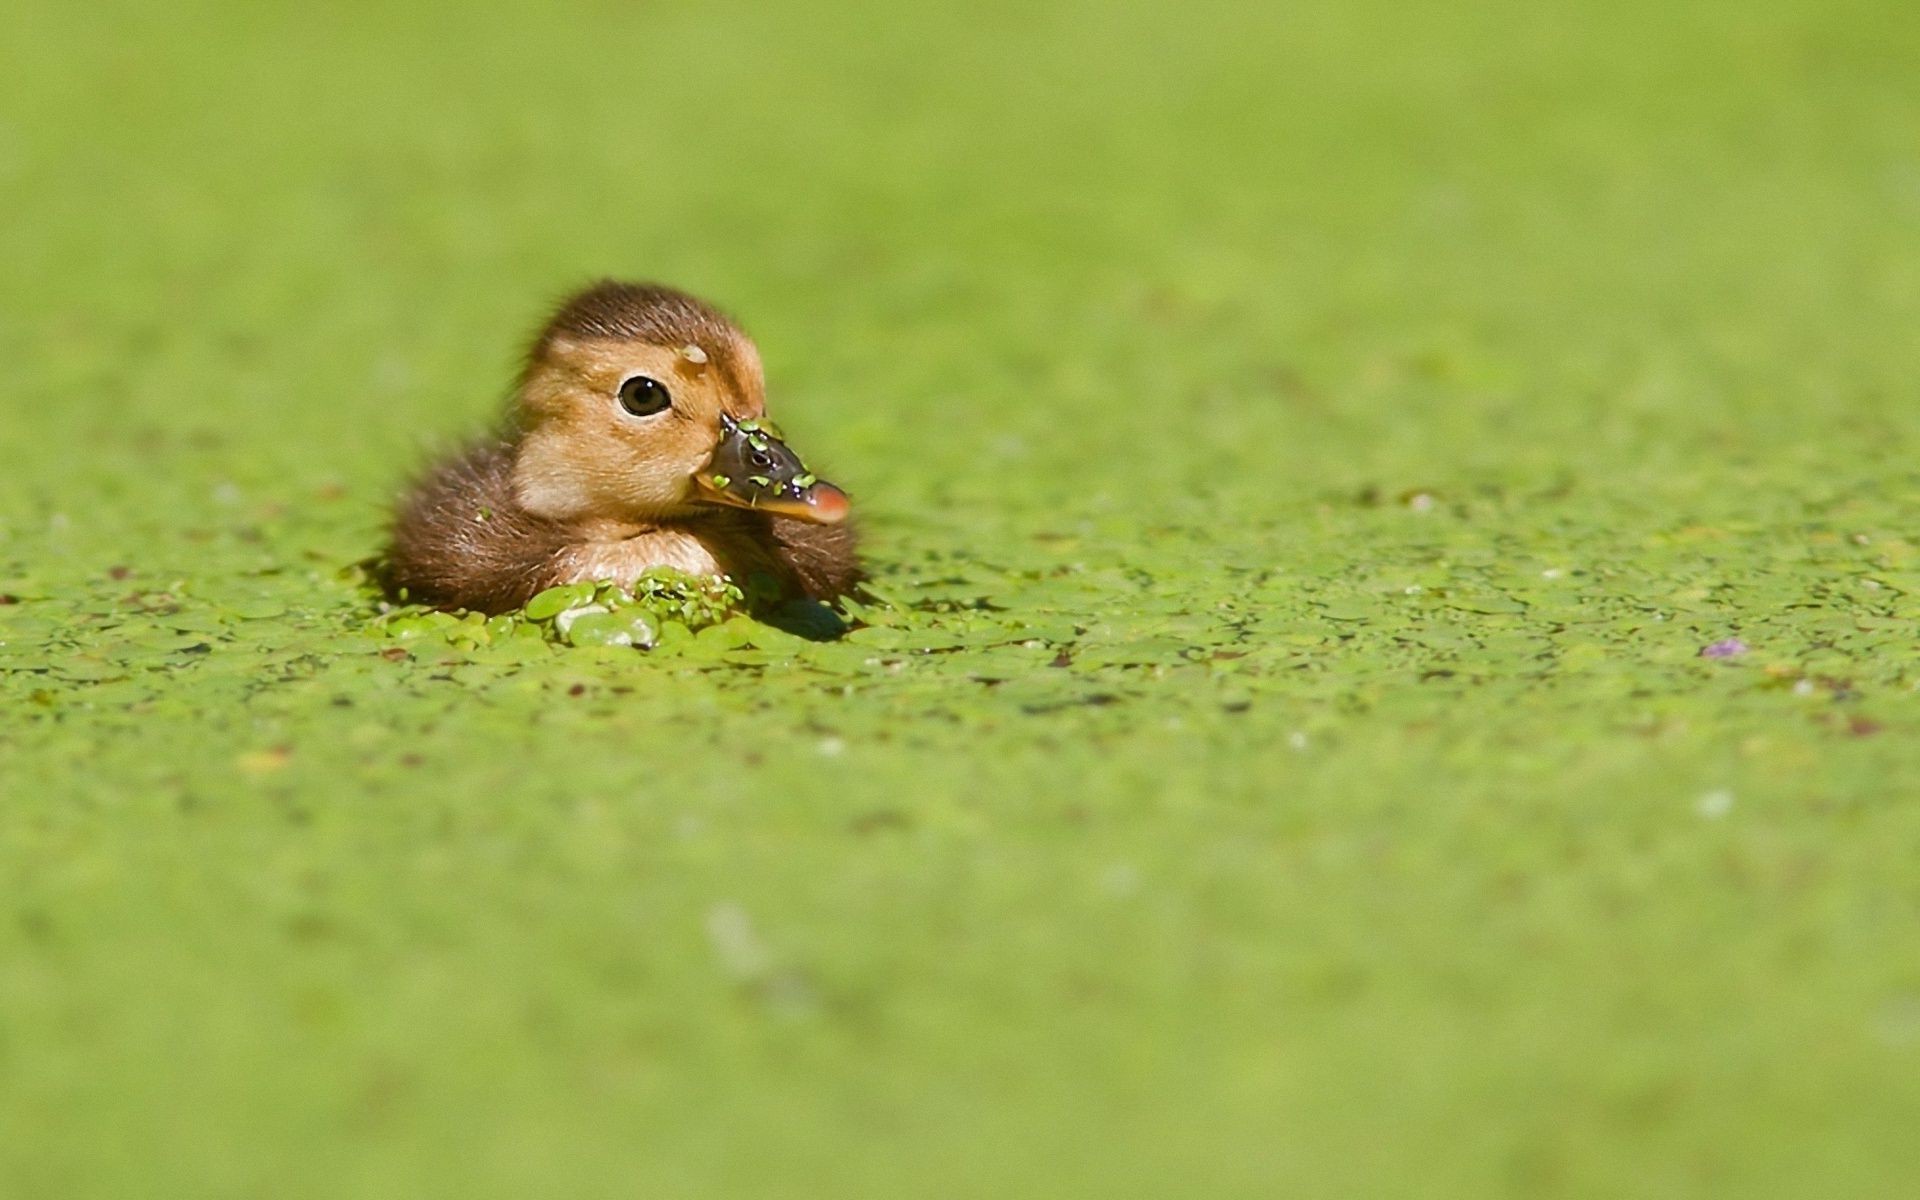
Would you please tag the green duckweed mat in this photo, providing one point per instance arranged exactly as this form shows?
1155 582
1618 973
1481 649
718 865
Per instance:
1304 451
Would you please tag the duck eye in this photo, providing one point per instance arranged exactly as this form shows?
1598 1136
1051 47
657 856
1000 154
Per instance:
643 397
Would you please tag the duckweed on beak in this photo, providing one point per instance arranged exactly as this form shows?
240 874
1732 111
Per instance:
753 468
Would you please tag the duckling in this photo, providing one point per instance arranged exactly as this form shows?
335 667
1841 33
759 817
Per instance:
636 438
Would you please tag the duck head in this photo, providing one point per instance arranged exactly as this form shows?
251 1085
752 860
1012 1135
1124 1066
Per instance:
641 405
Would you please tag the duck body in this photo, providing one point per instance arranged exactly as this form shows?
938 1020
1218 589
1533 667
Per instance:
461 540
636 440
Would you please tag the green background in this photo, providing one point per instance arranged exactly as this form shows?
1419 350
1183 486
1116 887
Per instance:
1306 445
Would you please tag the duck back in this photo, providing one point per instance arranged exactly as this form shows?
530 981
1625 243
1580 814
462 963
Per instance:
461 539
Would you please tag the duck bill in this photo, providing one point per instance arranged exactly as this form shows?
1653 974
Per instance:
821 503
752 468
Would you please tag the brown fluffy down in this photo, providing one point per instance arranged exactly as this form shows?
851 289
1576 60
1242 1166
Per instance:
461 541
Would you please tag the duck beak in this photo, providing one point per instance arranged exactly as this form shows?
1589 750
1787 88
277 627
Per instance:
752 468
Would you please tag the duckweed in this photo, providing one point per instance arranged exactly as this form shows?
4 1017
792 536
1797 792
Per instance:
1390 668
583 614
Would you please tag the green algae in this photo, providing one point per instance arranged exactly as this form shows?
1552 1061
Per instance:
607 613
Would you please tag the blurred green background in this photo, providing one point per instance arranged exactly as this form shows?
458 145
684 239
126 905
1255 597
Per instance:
1307 447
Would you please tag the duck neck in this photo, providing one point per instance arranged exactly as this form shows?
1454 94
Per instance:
624 550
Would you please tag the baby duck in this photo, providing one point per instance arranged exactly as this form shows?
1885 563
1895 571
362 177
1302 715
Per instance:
636 438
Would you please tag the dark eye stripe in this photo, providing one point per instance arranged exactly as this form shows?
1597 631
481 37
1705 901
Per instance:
643 397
